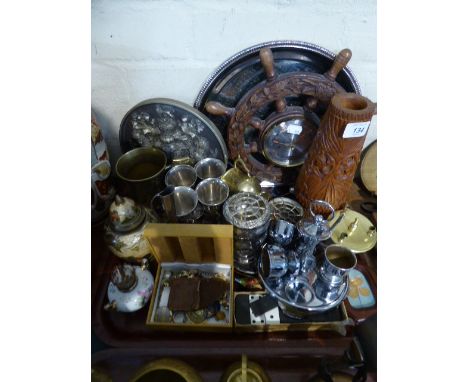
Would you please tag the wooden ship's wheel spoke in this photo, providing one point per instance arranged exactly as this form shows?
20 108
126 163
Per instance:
215 108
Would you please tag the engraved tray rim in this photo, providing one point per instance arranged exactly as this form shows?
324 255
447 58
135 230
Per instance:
274 44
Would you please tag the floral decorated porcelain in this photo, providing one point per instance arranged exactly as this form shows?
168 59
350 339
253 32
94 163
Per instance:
130 288
102 191
123 232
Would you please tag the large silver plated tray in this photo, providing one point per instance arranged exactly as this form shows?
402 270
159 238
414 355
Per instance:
175 127
241 72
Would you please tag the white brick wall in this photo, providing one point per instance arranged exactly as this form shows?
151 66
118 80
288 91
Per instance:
167 48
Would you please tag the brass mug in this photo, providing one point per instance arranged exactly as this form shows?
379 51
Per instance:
140 173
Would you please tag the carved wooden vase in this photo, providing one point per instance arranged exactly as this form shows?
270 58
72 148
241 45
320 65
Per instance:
333 157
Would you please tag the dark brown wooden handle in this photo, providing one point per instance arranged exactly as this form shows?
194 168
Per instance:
215 108
266 58
341 60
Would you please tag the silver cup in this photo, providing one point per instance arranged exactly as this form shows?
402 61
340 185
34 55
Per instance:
282 232
210 168
274 261
174 202
212 193
185 200
336 265
181 175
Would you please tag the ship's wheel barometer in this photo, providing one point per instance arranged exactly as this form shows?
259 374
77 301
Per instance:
273 124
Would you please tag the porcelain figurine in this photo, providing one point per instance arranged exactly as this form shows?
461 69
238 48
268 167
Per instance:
130 288
123 232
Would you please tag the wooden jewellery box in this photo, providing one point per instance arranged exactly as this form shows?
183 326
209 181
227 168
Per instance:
207 248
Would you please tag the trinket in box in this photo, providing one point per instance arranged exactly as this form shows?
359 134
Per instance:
193 289
259 312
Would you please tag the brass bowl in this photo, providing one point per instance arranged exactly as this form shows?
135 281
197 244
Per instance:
166 370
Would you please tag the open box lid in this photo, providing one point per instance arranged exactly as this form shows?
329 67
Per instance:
191 243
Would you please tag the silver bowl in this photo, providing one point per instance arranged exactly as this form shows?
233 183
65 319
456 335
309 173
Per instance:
212 192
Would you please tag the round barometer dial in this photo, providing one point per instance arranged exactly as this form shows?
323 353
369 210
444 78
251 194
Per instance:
285 141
